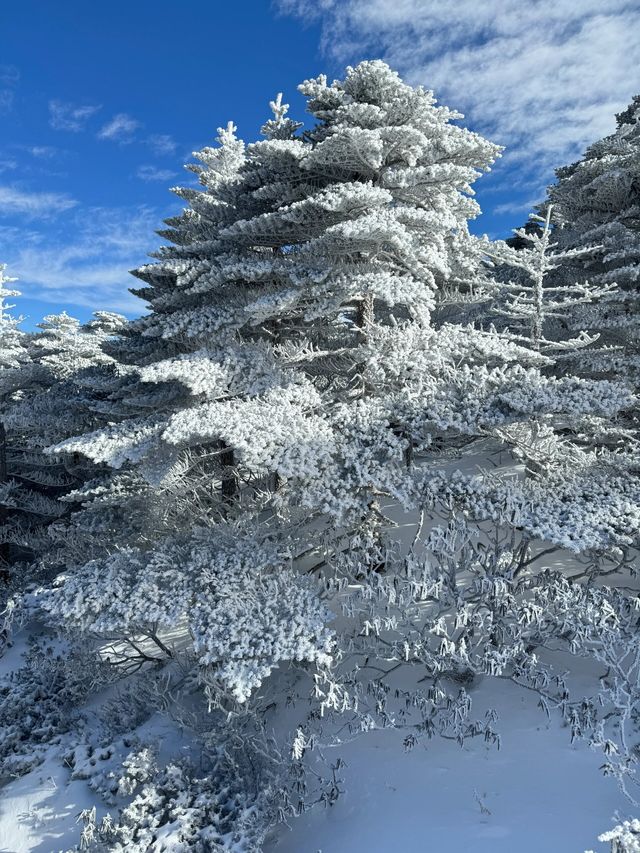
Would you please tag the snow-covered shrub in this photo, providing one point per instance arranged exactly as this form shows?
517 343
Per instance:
182 811
589 504
624 838
472 602
113 770
132 703
40 701
244 609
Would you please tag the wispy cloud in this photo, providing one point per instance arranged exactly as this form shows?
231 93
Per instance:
524 206
43 152
161 143
543 78
120 129
85 263
7 164
33 205
70 117
9 79
151 173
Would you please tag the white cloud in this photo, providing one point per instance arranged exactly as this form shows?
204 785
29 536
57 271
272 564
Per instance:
86 264
33 205
9 78
120 129
524 206
43 152
9 75
543 78
151 173
7 164
71 117
161 143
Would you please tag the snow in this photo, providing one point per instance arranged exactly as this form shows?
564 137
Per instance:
287 391
38 811
537 793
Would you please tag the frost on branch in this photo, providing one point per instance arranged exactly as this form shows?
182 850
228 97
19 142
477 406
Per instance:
624 838
529 301
246 612
589 507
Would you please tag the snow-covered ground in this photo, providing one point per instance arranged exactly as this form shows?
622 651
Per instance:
537 794
38 812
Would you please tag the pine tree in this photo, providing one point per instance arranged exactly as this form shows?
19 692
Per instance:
41 405
13 358
531 301
289 351
534 304
597 202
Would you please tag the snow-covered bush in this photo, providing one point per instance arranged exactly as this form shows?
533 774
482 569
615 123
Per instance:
115 769
624 838
183 812
244 609
471 601
40 701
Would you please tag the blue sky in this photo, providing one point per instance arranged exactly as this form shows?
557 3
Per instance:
101 104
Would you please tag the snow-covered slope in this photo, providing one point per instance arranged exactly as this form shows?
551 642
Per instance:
536 794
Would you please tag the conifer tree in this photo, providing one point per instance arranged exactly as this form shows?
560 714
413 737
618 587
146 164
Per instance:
287 380
41 405
13 357
536 305
531 301
597 202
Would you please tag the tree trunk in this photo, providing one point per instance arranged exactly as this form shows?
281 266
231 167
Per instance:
229 486
366 313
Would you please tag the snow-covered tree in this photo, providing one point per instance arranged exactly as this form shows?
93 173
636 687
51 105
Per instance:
287 385
42 404
624 838
237 460
530 301
13 357
597 202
